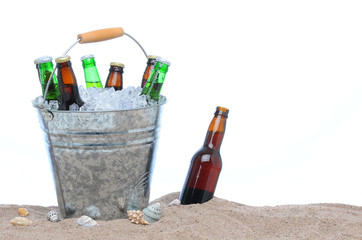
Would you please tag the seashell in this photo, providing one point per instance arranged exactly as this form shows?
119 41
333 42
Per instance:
21 221
23 212
175 202
86 221
53 216
93 212
136 217
152 213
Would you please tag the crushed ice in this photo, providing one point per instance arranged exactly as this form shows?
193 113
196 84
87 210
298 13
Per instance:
97 99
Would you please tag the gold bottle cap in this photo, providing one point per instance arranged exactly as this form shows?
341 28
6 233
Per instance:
117 64
62 59
152 56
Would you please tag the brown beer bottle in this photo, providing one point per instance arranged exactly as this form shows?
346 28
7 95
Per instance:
206 164
69 93
150 64
115 76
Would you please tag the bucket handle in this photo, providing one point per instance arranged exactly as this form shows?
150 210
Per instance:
87 37
105 34
100 35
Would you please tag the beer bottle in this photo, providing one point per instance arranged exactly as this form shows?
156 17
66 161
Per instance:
69 93
45 69
115 76
155 81
91 75
150 65
206 164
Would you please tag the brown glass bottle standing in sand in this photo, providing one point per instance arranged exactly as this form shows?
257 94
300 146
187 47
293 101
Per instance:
69 93
206 164
115 76
150 65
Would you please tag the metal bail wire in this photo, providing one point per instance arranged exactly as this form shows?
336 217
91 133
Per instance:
65 53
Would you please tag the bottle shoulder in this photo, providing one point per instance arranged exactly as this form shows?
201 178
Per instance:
208 156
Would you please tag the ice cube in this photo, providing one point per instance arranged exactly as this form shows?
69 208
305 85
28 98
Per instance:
109 99
74 107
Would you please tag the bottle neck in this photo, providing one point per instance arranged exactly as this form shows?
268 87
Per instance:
47 65
215 133
116 69
89 62
65 73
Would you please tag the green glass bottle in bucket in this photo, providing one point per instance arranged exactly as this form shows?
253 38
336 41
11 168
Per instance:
45 70
91 74
155 81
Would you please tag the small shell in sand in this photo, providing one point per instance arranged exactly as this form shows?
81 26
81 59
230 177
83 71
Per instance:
23 212
175 202
21 221
53 216
93 212
152 213
86 221
136 217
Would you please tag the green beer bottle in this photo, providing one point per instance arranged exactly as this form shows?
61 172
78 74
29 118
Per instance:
91 75
155 81
45 70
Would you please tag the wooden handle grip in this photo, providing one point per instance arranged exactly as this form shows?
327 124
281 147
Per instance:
100 35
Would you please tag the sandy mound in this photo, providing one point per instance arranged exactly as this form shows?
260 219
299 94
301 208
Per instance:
216 219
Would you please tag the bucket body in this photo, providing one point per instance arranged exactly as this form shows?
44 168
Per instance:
102 162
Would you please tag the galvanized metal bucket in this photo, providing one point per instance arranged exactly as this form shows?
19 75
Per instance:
102 162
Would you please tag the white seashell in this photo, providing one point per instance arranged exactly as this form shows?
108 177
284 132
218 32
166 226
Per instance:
136 217
152 213
21 221
86 221
53 216
93 212
175 202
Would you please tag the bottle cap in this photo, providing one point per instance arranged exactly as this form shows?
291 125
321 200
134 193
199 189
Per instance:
62 59
43 59
152 57
117 64
87 56
162 60
222 111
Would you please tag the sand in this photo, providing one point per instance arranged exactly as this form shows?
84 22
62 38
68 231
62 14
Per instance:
216 219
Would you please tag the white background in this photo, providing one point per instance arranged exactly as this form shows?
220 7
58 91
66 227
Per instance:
289 71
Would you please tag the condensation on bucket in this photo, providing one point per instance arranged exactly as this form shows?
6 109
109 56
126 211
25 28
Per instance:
100 159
